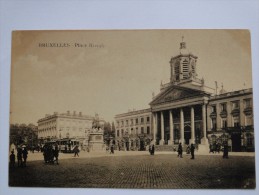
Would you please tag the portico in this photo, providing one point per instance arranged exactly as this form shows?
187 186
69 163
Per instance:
180 118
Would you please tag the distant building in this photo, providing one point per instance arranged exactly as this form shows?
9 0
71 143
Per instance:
66 125
133 129
187 111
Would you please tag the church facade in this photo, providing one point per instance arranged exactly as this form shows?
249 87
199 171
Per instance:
187 111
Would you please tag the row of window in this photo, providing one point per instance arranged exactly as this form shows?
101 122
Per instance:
234 105
132 131
131 121
235 122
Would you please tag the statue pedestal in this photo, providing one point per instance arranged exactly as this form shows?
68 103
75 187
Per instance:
96 141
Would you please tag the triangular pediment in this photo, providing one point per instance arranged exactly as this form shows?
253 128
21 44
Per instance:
176 93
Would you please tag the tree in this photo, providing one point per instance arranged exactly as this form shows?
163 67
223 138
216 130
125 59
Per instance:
23 134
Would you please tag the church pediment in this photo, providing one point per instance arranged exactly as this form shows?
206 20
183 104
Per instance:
175 93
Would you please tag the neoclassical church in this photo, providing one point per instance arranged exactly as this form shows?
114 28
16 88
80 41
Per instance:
187 111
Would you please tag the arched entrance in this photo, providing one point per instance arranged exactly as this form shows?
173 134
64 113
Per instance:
187 134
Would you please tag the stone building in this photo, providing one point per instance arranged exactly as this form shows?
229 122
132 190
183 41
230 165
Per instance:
187 111
66 125
133 129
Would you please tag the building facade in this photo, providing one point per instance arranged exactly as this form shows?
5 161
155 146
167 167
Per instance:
187 111
133 130
66 125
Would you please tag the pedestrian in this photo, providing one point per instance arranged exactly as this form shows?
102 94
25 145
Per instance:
76 151
225 151
180 150
56 153
192 151
153 149
19 156
12 159
24 155
112 149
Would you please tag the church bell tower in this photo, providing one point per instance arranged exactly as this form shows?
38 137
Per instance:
183 66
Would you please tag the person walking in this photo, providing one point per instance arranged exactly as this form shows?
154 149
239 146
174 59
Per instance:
76 151
12 159
180 150
192 151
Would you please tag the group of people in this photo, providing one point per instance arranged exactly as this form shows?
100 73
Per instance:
216 148
50 153
188 150
22 155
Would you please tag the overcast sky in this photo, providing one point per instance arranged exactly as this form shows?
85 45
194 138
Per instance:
119 75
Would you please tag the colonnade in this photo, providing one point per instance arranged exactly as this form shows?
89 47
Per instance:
160 114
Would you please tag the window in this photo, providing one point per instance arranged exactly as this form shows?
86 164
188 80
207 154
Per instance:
142 120
148 119
248 103
122 132
118 133
224 123
214 123
236 121
122 123
223 107
248 120
136 121
235 105
213 108
127 122
142 130
131 121
148 130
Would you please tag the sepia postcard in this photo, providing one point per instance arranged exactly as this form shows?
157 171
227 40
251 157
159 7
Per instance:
134 109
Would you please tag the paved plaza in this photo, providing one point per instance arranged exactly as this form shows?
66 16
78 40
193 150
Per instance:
138 170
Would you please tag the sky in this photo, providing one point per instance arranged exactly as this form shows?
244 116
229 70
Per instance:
119 74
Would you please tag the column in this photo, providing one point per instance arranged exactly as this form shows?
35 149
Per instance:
181 126
154 128
204 127
171 122
161 142
192 140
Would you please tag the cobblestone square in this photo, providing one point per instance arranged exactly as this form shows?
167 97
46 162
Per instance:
163 170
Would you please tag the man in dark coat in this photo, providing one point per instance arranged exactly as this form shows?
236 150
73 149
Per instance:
153 149
180 150
56 151
192 151
76 151
225 152
19 157
24 155
12 159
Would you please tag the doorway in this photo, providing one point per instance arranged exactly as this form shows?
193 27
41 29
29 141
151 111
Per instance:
187 134
236 142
